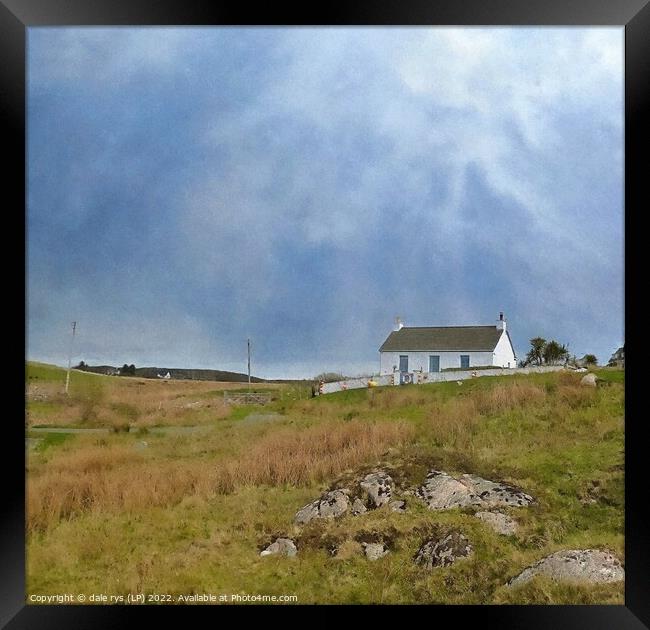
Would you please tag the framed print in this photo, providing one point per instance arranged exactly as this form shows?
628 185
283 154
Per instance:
327 310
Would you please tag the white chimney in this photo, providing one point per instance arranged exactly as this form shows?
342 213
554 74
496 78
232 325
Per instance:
501 323
398 324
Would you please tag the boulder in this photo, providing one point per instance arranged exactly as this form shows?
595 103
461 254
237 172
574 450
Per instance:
358 507
374 551
397 506
441 491
575 565
444 551
330 505
500 523
282 547
378 487
496 494
589 380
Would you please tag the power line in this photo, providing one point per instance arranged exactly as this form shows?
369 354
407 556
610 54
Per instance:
249 365
67 377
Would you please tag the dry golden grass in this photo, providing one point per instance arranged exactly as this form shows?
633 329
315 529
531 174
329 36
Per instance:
108 401
119 477
576 395
455 420
504 396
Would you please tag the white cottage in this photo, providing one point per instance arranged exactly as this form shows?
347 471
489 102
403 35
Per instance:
435 348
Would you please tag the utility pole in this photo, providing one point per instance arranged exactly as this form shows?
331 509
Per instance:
67 377
249 365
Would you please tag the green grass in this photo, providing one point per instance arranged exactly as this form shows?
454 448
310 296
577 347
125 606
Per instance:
49 440
560 442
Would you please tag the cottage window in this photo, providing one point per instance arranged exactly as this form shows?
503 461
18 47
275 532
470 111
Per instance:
434 363
464 361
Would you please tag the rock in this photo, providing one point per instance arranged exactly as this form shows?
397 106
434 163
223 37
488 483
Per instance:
374 551
358 507
496 494
441 491
282 547
397 506
331 505
500 523
443 552
589 380
582 565
378 487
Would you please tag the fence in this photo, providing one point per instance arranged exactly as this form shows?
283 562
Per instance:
431 377
246 398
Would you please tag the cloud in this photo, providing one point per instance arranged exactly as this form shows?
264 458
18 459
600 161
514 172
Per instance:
302 186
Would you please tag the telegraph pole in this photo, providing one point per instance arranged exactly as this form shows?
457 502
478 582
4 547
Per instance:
67 376
249 365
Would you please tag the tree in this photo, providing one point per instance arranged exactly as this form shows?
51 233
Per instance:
554 353
329 377
590 359
545 352
536 353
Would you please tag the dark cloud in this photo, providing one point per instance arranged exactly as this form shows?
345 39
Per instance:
189 188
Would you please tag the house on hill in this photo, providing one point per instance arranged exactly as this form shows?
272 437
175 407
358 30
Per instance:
618 358
436 348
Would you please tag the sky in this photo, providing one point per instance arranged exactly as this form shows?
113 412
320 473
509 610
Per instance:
189 188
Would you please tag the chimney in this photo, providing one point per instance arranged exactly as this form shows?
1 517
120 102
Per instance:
398 324
501 324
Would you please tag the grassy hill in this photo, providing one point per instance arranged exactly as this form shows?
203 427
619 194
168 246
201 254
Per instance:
188 512
177 373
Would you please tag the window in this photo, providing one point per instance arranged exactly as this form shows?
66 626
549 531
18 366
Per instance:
403 363
434 363
464 361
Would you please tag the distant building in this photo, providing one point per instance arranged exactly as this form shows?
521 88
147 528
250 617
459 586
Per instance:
618 358
582 362
436 348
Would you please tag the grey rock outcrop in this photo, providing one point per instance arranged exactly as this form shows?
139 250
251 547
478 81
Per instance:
374 551
575 565
281 546
441 491
330 505
397 506
358 507
500 523
443 552
378 486
589 380
496 494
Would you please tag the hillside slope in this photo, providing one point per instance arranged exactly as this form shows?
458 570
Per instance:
183 513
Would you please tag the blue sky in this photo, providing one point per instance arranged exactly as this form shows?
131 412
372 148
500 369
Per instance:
189 188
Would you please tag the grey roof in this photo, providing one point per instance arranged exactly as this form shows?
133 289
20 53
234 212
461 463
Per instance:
442 338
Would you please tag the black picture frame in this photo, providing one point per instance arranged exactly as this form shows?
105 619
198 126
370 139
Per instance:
18 15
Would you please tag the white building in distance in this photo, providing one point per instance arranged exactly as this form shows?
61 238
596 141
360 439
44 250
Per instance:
437 348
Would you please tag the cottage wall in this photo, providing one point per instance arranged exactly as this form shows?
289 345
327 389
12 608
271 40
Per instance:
420 360
503 353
